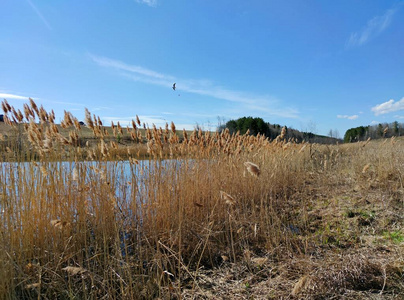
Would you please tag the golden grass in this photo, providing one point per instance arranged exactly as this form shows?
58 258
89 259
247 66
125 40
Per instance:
117 227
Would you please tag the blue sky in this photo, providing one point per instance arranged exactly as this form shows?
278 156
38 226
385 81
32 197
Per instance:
310 65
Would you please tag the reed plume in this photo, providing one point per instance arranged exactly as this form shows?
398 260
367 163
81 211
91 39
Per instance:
252 168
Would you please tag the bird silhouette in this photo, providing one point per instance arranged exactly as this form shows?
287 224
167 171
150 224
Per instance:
174 86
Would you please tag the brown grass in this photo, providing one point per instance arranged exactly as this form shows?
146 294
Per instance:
313 222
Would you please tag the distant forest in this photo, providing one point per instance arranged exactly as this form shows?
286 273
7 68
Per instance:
378 131
259 126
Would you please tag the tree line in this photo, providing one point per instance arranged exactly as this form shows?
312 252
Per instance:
377 131
258 126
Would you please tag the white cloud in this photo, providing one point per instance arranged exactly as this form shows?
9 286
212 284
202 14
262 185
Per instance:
353 117
399 117
148 2
372 29
260 103
388 107
12 96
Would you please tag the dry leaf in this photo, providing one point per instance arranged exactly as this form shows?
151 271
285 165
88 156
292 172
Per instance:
59 224
365 168
227 198
259 261
33 285
74 270
225 258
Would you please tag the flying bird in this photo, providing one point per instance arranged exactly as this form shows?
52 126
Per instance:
174 86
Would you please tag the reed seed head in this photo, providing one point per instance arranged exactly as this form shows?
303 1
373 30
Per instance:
252 168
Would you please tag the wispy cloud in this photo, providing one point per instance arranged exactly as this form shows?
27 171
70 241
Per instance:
107 62
373 28
353 117
261 103
36 10
388 107
12 96
147 2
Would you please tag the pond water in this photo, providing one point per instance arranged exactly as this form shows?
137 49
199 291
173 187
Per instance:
129 181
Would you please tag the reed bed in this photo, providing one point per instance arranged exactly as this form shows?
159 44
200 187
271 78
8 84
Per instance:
207 215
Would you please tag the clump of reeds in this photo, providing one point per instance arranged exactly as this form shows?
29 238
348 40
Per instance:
119 227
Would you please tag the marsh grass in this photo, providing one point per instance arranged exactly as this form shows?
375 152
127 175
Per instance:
272 215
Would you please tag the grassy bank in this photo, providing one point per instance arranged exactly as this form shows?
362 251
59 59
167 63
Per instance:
235 217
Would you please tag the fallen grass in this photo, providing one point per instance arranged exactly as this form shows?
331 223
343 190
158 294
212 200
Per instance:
211 215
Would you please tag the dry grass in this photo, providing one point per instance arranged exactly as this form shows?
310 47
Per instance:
231 217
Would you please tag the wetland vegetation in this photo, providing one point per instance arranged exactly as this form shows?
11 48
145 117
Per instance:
209 215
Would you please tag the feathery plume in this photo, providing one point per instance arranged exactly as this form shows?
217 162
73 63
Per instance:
253 169
88 119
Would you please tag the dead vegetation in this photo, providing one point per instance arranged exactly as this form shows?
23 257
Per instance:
211 215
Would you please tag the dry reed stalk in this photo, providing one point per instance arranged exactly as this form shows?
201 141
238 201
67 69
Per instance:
301 149
75 176
300 285
367 142
252 168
